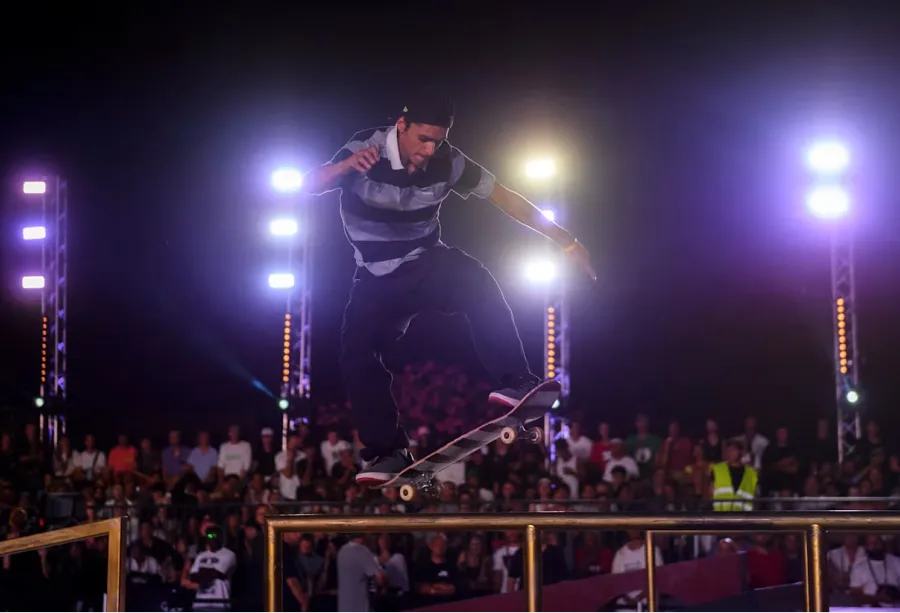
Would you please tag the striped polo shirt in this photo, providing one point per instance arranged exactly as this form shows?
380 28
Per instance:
390 216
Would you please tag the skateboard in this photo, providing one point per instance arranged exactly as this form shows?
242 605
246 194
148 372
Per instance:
512 425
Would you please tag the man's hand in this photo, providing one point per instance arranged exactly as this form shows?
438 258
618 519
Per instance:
578 254
363 159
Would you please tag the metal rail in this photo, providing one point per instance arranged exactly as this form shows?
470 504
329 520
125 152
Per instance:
811 526
115 561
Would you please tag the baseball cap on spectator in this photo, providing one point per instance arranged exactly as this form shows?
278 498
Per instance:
267 432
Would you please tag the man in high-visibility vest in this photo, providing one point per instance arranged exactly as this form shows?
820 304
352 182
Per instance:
733 484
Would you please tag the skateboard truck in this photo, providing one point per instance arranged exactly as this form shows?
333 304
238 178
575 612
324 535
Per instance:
532 435
425 483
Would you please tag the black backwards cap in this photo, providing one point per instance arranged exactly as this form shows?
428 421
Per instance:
429 108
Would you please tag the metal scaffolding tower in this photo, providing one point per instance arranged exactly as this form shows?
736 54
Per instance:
54 194
846 356
297 340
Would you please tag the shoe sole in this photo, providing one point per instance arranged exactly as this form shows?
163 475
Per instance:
373 479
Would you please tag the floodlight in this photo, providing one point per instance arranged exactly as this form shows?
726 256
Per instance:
540 169
283 227
828 202
284 280
34 187
33 282
34 233
852 396
549 214
540 271
828 157
287 179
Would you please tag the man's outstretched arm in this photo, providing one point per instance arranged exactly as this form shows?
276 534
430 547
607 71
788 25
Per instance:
468 178
519 208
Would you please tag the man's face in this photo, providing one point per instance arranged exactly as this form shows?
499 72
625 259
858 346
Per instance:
874 547
418 141
733 453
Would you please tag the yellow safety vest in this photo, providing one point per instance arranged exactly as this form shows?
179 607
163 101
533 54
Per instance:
725 497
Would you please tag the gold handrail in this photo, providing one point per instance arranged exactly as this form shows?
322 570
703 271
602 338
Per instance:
811 526
115 564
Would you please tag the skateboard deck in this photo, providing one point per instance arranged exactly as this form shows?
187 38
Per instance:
533 406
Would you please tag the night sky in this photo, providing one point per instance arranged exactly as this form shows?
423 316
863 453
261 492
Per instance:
680 134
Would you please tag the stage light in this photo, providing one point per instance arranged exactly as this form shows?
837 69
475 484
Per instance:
38 402
283 227
281 280
828 202
828 158
549 214
540 271
540 169
34 187
34 233
33 282
852 396
284 404
287 179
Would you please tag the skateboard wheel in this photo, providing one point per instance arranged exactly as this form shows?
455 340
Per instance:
507 436
407 493
535 435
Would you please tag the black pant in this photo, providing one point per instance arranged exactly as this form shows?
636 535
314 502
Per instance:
442 279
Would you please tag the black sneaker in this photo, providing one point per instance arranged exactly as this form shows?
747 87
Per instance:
512 394
384 468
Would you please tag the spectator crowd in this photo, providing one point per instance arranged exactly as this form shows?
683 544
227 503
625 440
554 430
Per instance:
196 507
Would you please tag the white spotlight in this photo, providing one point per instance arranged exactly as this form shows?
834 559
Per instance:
287 179
34 233
34 187
540 271
828 157
828 202
283 227
283 280
33 282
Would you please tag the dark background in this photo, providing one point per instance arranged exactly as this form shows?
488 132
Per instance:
679 128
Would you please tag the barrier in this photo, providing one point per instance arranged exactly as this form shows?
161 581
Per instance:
115 561
811 526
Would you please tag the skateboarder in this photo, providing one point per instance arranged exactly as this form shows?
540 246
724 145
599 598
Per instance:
392 183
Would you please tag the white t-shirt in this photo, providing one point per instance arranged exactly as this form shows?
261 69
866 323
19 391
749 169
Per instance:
235 457
581 448
841 561
571 481
627 462
90 462
627 559
287 486
281 459
331 454
870 574
502 559
223 561
455 473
